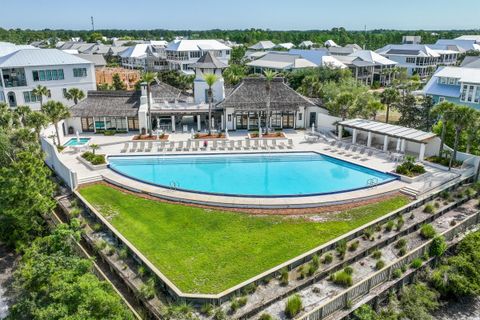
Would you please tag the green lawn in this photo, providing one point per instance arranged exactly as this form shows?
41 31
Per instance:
207 251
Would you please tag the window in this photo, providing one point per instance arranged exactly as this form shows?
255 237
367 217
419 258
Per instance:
64 91
477 95
229 118
300 116
195 54
79 72
29 97
47 75
410 60
441 99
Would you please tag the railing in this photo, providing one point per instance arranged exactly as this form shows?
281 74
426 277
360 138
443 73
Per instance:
53 161
341 301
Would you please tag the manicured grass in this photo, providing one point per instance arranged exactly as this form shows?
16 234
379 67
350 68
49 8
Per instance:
208 251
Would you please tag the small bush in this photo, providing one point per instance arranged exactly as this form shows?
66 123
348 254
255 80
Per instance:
397 273
147 290
389 226
219 314
354 245
249 289
234 306
380 264
377 254
109 251
427 231
429 208
242 301
142 271
341 248
342 278
404 268
400 223
368 233
412 216
265 316
470 192
123 253
293 306
444 195
402 251
284 276
401 243
99 245
348 270
328 258
437 247
311 269
207 309
436 204
453 223
316 260
96 227
416 263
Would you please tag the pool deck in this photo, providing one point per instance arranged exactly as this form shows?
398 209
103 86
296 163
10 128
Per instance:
111 145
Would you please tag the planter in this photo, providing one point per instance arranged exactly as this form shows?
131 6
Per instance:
255 136
204 136
152 138
92 166
408 179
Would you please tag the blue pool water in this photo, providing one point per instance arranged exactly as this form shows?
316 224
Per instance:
73 142
263 175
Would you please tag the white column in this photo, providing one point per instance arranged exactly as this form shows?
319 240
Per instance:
222 118
295 120
199 124
173 123
385 143
398 145
354 136
369 139
248 120
404 142
421 156
126 121
105 123
281 121
340 132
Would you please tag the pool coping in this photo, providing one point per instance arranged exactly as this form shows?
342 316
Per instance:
396 177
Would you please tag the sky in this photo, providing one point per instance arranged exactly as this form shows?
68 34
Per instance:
243 14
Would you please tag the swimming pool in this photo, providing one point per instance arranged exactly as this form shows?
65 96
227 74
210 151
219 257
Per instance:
74 142
250 175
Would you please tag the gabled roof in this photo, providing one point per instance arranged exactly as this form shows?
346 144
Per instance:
39 57
163 91
337 50
314 56
466 44
196 45
469 37
209 61
287 45
263 45
373 57
471 62
281 60
330 43
470 75
108 103
306 44
97 59
417 50
137 51
7 48
251 94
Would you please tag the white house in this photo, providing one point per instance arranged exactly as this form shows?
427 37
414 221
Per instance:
417 59
182 54
280 62
23 70
286 46
263 45
135 57
306 44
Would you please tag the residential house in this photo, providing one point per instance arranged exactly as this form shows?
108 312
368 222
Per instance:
285 46
306 44
97 59
411 39
467 44
135 57
471 62
343 51
417 59
23 70
263 45
456 84
280 62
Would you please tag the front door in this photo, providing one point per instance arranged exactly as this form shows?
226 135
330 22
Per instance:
313 119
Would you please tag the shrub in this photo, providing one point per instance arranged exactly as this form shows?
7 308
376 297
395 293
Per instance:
207 309
402 251
470 192
401 243
437 247
284 276
380 264
123 253
453 223
436 204
109 250
293 306
142 271
400 223
328 258
312 268
377 254
404 268
341 248
444 195
416 263
234 306
242 301
302 271
342 278
390 225
412 216
409 168
96 227
397 273
368 233
378 227
354 245
147 290
95 159
427 231
265 316
348 270
429 208
250 288
99 245
219 314
74 212
315 261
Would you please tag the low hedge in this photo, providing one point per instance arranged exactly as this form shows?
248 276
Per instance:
95 159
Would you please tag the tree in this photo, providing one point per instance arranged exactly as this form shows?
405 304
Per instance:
389 97
234 74
40 92
269 76
342 105
417 301
442 111
22 113
118 84
94 147
472 129
74 94
36 120
55 112
237 54
210 79
366 312
148 78
410 113
427 106
460 117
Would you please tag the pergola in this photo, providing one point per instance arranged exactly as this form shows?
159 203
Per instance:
402 134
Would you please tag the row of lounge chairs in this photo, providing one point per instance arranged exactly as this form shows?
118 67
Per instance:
349 150
194 145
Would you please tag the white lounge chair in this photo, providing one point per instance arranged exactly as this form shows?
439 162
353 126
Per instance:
125 148
188 146
195 145
134 147
248 144
141 147
179 146
255 145
239 144
282 145
264 144
149 146
161 146
170 146
290 144
231 145
221 145
214 145
330 145
274 144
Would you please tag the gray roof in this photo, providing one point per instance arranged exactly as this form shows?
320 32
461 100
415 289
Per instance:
389 130
471 62
164 91
97 59
251 94
209 61
108 103
39 57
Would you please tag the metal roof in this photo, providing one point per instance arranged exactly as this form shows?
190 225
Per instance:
39 57
390 130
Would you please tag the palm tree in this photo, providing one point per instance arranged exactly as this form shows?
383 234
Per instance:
40 92
55 112
461 117
148 78
472 129
389 97
269 76
234 74
75 95
210 79
94 147
22 113
36 120
442 111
